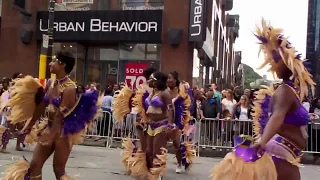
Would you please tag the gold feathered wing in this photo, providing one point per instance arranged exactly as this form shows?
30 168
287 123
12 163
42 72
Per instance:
121 104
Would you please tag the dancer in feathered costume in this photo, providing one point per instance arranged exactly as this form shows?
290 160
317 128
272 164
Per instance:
5 110
69 114
156 120
134 157
279 118
182 99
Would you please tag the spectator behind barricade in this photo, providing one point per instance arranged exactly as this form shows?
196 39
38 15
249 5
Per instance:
92 88
237 93
211 108
229 102
306 104
217 93
314 131
104 123
242 113
81 89
223 94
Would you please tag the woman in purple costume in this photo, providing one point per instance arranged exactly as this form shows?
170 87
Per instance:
69 114
279 118
182 99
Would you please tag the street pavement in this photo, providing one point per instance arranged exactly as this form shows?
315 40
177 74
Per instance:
97 163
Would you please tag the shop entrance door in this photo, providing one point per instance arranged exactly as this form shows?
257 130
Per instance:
102 72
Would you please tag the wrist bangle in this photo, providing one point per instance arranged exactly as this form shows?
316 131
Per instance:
171 126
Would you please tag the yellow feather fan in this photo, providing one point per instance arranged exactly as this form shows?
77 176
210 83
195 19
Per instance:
127 152
186 104
16 171
161 165
274 52
121 103
190 153
37 131
138 164
137 102
257 110
22 102
99 113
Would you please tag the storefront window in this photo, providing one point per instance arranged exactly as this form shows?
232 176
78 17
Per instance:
141 4
82 5
103 53
78 51
140 51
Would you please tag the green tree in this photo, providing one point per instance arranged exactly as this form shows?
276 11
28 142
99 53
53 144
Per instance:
249 76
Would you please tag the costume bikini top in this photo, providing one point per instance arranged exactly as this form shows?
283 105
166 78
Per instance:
62 84
300 117
154 101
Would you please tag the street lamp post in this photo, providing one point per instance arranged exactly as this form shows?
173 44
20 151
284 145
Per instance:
47 46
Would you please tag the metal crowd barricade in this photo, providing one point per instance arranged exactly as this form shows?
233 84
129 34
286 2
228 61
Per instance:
219 133
101 128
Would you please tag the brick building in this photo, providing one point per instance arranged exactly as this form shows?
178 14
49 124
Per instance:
113 40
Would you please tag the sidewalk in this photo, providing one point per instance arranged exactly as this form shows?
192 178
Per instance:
96 163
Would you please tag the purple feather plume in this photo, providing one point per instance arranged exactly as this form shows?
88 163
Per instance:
144 97
178 112
264 117
83 113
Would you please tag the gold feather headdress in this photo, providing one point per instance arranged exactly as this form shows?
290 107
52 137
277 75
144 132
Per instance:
276 47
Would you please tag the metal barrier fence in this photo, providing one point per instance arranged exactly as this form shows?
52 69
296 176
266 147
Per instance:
206 133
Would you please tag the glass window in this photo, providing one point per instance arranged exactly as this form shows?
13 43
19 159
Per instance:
78 51
82 5
103 53
141 4
140 51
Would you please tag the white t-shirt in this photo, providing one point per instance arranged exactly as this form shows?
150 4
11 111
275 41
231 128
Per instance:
229 104
244 114
306 105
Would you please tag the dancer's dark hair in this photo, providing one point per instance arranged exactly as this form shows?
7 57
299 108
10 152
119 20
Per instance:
17 75
175 76
66 58
108 91
148 71
161 82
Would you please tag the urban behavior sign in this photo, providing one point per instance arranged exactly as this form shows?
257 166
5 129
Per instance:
136 26
197 23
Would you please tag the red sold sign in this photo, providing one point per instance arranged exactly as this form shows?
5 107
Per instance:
134 74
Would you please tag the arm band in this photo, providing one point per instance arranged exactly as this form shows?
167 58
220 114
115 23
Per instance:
170 107
64 110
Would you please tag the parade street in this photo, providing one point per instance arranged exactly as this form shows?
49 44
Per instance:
96 163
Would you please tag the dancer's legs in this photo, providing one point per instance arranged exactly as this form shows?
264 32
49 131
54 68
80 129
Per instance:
19 126
176 137
40 155
143 138
62 151
287 171
149 151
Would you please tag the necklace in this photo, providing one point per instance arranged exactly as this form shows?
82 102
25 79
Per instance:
294 88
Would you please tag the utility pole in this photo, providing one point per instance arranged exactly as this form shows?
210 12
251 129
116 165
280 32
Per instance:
47 46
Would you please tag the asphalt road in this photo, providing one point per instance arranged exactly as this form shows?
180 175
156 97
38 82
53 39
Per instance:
96 163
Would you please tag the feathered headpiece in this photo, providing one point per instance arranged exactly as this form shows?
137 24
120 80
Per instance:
276 47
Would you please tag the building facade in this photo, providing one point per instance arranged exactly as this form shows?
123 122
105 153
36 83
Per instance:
313 40
113 40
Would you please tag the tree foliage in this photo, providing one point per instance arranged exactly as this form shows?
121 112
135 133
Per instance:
249 76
